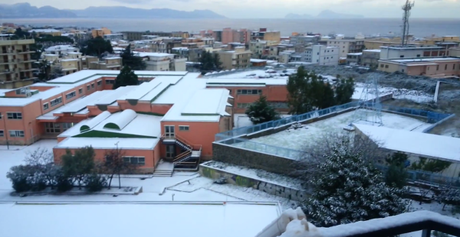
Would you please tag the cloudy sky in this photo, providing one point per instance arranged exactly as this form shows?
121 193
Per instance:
275 8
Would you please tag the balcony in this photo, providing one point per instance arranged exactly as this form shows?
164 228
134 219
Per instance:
26 61
26 69
5 71
28 51
7 52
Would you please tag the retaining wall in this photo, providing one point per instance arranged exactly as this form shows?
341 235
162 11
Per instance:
240 180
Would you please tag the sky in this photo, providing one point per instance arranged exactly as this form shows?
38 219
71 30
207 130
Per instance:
275 8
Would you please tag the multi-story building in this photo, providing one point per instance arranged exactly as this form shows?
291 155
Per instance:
430 67
454 52
263 34
257 47
16 63
396 52
318 54
162 61
52 32
100 32
354 58
370 58
106 63
111 37
346 46
234 59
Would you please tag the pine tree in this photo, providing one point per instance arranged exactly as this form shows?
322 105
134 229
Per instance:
261 112
349 189
298 89
396 175
344 90
209 62
97 46
134 62
126 77
78 165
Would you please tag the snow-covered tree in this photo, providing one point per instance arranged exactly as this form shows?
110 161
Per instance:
347 188
449 196
261 111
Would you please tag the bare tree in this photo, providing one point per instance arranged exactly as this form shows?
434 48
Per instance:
114 164
39 156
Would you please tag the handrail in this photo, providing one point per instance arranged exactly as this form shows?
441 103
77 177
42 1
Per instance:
182 155
184 141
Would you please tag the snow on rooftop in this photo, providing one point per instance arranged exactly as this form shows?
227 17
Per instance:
164 84
77 105
297 139
207 102
373 50
223 219
424 60
150 54
444 147
109 98
120 120
134 124
108 143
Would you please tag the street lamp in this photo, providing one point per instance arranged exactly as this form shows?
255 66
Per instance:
5 132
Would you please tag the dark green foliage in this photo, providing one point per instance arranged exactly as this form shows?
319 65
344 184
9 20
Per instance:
97 46
126 77
95 182
347 188
53 39
308 91
209 62
20 34
20 177
344 89
77 166
396 175
430 165
44 70
134 62
63 183
260 111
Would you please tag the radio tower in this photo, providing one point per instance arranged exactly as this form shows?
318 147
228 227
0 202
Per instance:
406 8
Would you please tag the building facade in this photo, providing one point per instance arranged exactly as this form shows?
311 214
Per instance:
346 46
235 59
16 63
430 67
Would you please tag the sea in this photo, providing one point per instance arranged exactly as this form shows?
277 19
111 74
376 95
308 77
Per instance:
349 27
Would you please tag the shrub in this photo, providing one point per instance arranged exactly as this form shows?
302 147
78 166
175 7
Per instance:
19 176
63 183
95 183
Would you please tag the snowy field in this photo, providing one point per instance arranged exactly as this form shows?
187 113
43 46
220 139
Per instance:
296 139
172 220
413 95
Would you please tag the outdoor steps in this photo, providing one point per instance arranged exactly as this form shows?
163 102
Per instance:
163 173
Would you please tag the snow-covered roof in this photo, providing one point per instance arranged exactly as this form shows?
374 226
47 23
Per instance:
119 121
355 54
149 54
223 219
253 60
208 102
424 144
373 50
109 143
44 30
424 60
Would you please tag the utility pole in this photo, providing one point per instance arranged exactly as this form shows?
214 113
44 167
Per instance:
5 132
407 7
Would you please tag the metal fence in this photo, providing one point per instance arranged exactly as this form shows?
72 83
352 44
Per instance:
428 177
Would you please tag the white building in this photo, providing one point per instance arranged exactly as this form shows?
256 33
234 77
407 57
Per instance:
162 61
323 55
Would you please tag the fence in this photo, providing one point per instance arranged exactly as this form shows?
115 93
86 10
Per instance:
428 177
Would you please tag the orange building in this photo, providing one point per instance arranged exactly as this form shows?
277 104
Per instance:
100 32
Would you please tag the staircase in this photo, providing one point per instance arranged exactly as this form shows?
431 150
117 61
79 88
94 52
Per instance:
190 153
164 169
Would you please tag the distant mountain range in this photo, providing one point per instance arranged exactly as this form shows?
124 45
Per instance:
25 10
326 14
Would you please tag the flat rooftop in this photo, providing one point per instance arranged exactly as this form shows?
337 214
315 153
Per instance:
136 219
424 144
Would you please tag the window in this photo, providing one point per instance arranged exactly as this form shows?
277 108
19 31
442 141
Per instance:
70 95
16 133
386 66
135 160
184 128
80 90
46 106
56 101
381 65
52 128
109 82
401 56
279 105
437 68
445 67
453 66
2 133
88 87
249 92
418 55
14 115
92 85
99 83
243 105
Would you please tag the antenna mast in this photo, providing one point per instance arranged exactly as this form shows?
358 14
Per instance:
407 7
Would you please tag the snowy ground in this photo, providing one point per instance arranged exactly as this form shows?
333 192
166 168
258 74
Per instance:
413 95
297 138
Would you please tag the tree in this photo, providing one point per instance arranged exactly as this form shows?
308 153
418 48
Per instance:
346 187
308 91
260 111
430 165
126 77
344 89
20 34
44 70
115 165
209 62
56 71
134 62
78 165
449 196
97 46
396 175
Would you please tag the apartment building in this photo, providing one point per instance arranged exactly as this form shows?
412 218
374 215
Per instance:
454 52
106 63
235 59
51 32
370 58
263 34
354 58
346 46
160 119
434 40
257 47
317 54
16 63
395 52
162 61
100 32
430 67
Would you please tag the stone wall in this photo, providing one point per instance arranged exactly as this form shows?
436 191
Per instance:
252 159
270 188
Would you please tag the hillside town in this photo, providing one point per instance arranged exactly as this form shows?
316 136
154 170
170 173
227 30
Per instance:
252 132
